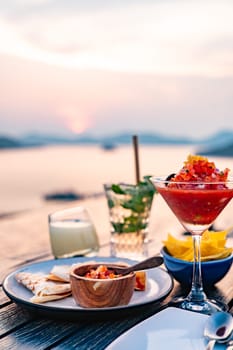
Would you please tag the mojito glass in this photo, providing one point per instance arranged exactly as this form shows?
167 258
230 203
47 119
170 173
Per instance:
129 210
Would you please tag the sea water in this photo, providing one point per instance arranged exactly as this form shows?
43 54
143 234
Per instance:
28 174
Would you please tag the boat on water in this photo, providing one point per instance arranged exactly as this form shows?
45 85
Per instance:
108 146
63 196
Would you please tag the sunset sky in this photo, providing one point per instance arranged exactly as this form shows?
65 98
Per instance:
104 66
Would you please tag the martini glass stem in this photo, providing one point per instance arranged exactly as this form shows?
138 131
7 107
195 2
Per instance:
197 294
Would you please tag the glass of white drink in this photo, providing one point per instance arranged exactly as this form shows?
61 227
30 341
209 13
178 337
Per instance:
72 233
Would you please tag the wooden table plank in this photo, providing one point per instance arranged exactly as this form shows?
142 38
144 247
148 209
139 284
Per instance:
102 334
4 300
37 334
12 317
40 333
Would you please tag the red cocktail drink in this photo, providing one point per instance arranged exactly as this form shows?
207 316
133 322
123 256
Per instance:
196 206
197 194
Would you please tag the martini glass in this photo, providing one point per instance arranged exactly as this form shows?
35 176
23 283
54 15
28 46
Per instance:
196 205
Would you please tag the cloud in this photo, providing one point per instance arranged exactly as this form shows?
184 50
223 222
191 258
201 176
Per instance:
35 96
153 37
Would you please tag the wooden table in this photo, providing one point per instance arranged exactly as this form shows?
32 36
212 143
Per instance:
24 240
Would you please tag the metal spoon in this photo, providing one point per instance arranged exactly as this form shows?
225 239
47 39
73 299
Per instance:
218 328
154 261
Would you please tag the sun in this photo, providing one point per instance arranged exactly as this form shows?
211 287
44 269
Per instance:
74 118
77 126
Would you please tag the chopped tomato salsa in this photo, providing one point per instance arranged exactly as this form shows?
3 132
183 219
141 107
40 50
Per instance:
198 192
101 272
199 169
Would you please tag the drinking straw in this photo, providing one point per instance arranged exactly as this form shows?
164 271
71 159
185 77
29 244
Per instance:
136 157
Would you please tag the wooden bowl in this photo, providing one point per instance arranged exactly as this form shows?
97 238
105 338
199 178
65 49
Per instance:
97 293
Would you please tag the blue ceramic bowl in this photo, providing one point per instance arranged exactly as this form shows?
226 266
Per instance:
212 271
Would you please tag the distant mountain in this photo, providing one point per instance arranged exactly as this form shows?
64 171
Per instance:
220 144
35 140
8 142
146 138
222 137
118 139
47 139
226 151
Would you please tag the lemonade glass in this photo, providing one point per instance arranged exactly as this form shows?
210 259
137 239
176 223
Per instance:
72 233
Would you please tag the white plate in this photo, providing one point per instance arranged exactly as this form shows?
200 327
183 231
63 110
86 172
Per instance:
159 284
169 329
